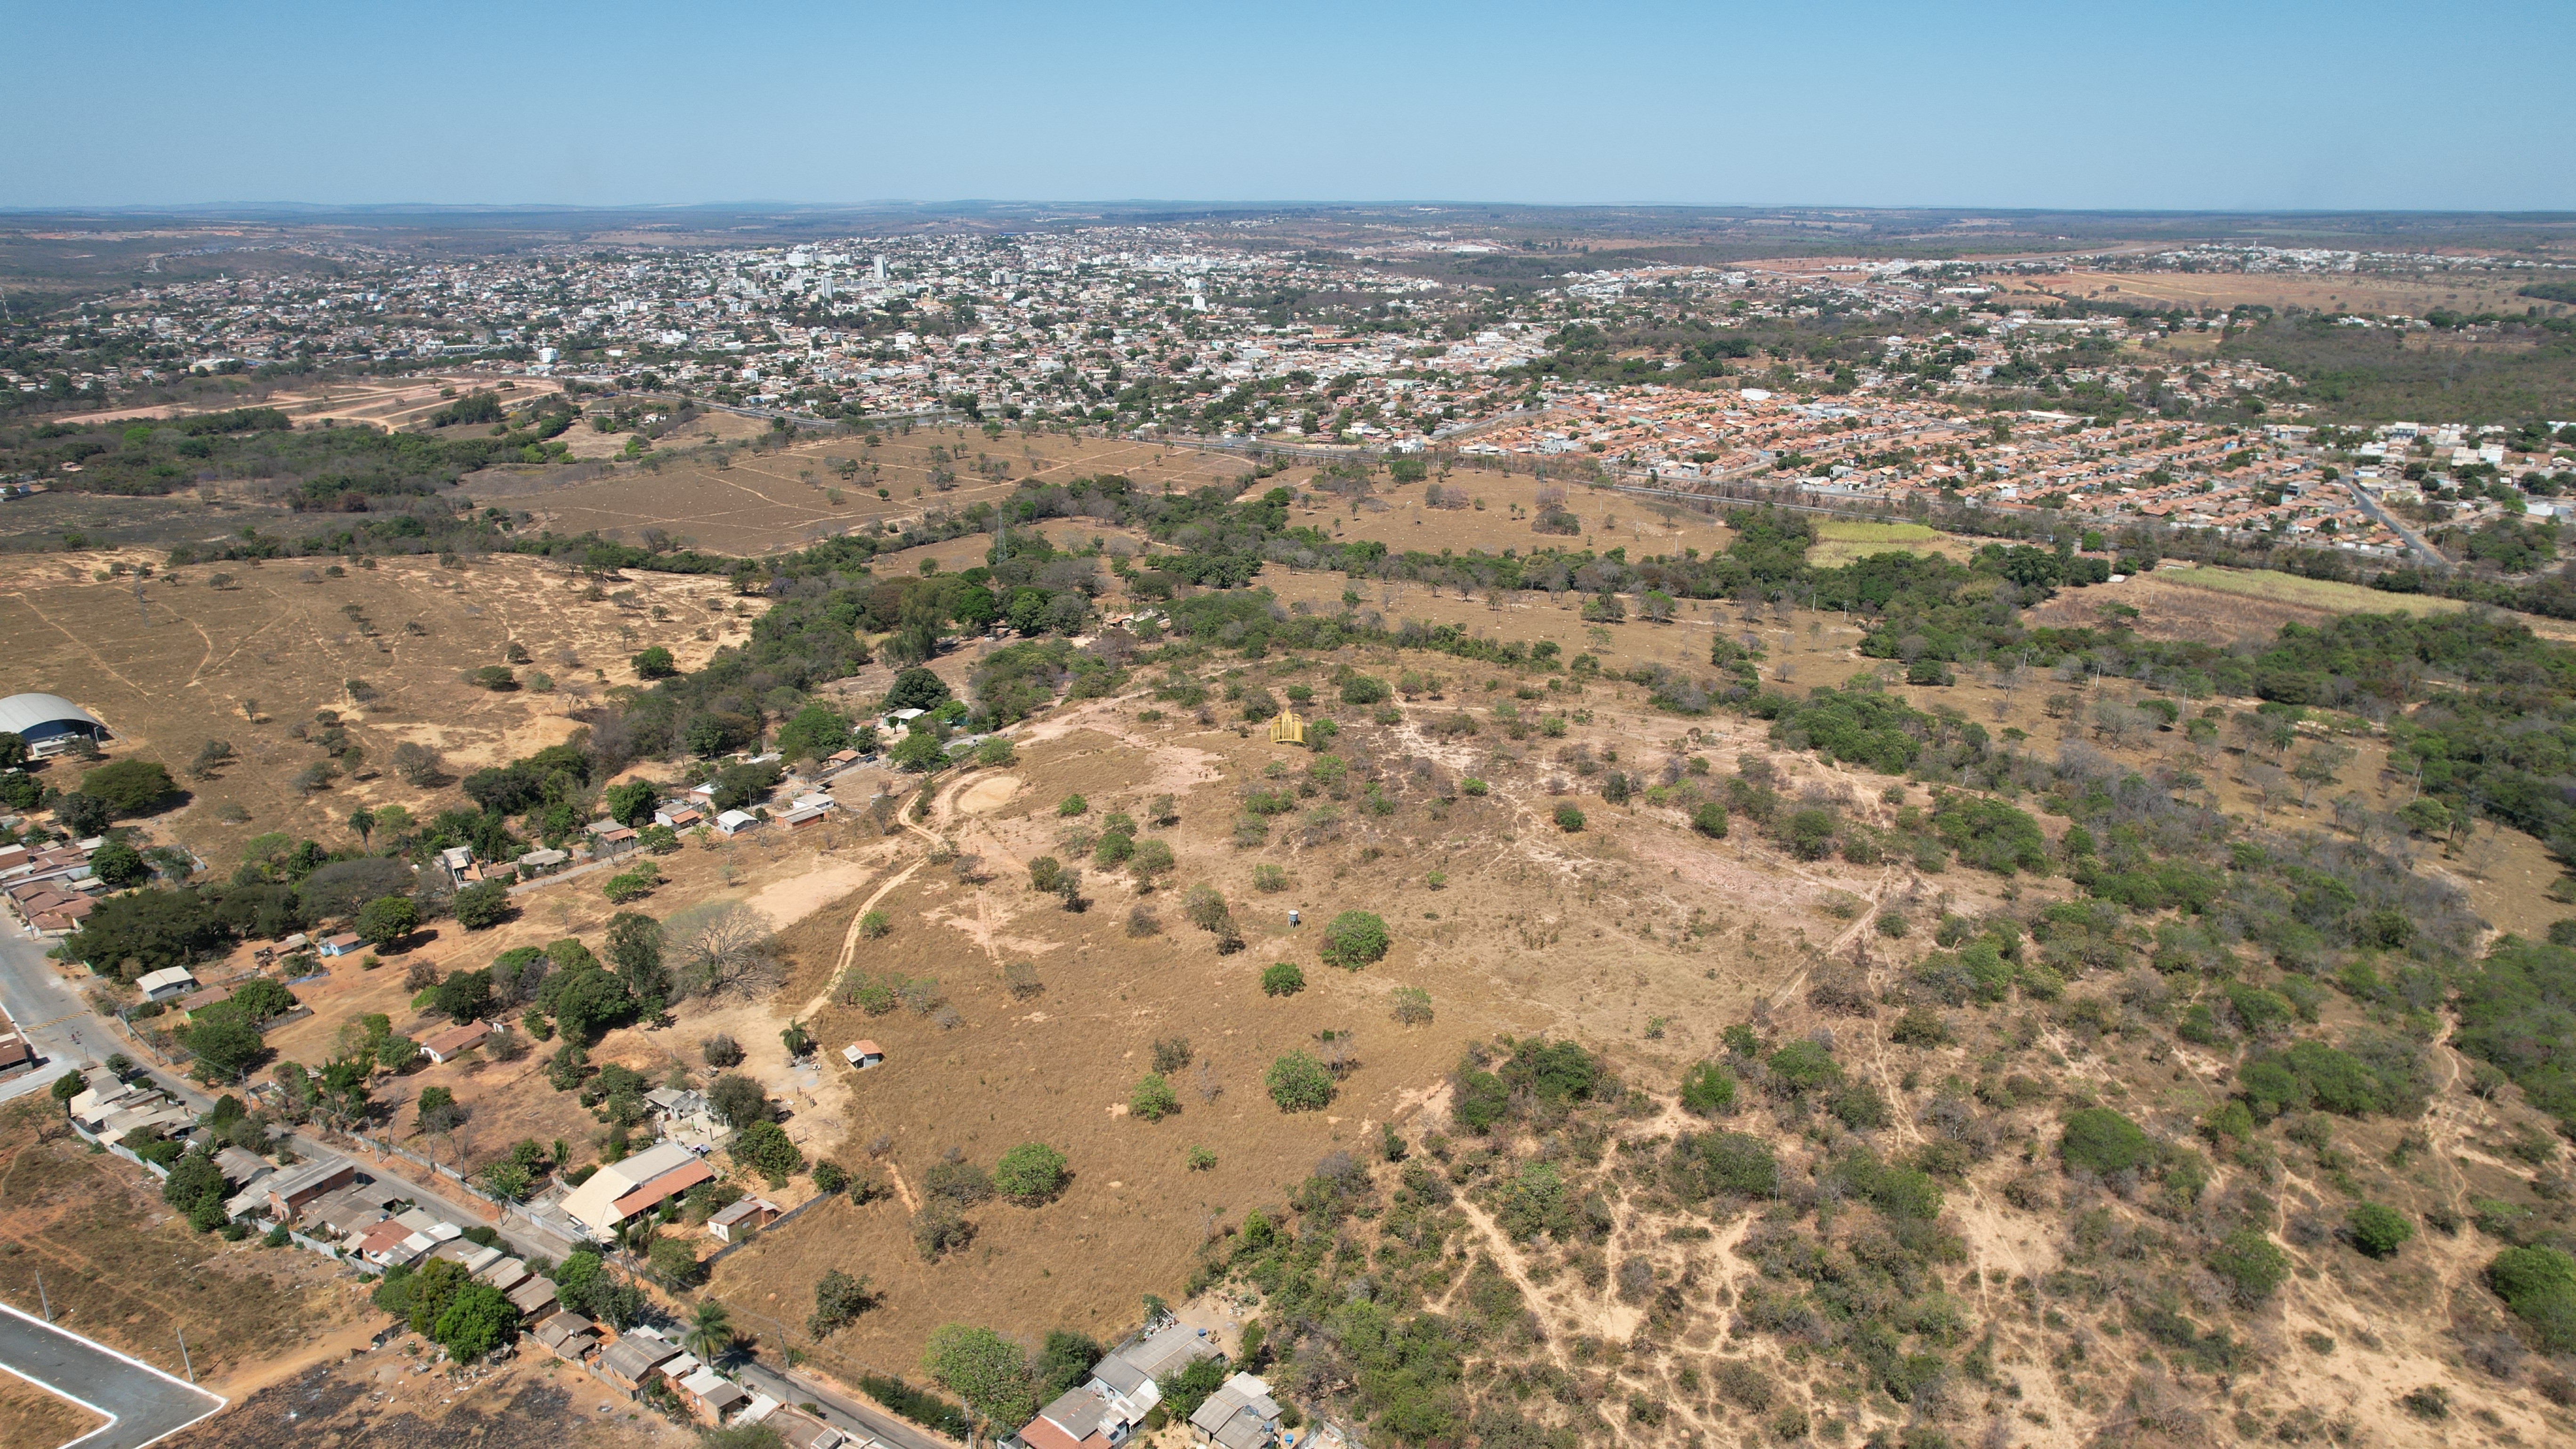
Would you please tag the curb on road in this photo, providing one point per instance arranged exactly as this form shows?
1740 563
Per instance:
220 1401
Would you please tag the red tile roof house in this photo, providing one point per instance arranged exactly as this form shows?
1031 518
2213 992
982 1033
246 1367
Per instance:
632 1185
208 997
63 918
447 1045
382 1244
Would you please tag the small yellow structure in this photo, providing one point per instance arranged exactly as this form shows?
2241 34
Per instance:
1287 729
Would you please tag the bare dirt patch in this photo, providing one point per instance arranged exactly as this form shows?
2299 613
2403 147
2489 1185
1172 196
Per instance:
392 1397
32 1418
123 1268
988 795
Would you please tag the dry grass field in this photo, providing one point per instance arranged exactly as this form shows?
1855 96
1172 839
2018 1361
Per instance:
180 660
387 1398
2413 296
124 1269
1635 936
2219 606
389 403
1631 928
741 501
1397 516
1842 541
31 1418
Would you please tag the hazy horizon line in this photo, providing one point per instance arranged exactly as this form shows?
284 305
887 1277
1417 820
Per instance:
969 203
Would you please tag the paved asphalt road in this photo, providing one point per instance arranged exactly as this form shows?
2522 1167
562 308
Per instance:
844 1412
2370 505
69 1036
143 1403
57 1022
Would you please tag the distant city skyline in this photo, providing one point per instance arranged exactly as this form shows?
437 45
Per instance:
2190 106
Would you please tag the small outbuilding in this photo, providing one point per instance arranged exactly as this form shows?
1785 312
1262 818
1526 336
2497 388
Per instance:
742 1218
168 982
863 1054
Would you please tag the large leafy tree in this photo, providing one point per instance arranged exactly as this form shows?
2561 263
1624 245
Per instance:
130 787
388 919
917 688
583 999
985 1369
635 949
632 802
477 1320
814 732
1030 1173
225 1044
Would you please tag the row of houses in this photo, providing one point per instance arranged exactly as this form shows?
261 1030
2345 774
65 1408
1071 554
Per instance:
369 1225
641 1361
50 889
606 839
372 1226
108 1109
802 810
1126 1385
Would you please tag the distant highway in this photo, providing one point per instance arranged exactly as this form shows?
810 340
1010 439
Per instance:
140 1402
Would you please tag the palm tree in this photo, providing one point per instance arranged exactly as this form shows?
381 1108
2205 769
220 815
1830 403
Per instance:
636 1237
710 1331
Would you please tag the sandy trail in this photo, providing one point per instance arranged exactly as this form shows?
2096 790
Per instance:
1507 1261
850 938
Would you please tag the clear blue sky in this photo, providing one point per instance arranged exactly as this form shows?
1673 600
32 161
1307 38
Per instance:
2242 105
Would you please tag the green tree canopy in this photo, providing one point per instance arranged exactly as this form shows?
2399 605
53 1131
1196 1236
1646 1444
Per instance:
475 1322
1355 939
129 787
1299 1083
2100 1140
814 732
985 1369
916 688
765 1148
1030 1173
387 919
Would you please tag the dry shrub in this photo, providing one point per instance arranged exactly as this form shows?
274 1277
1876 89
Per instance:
1744 1385
1842 990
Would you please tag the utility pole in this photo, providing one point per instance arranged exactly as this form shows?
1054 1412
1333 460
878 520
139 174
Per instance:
183 1355
42 1301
